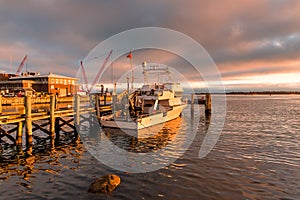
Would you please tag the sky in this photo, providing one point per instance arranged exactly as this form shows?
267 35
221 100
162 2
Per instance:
254 43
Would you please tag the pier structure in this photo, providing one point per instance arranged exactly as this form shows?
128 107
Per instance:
52 116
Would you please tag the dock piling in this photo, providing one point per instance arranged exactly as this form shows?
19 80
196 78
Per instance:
57 128
19 134
207 104
28 120
104 98
97 105
77 110
52 115
0 104
114 98
192 104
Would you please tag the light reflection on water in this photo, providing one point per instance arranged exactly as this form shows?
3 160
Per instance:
256 157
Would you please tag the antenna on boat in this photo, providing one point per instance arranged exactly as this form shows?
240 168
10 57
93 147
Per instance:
169 75
144 64
132 78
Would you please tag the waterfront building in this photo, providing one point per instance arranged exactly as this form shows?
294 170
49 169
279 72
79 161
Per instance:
40 84
6 76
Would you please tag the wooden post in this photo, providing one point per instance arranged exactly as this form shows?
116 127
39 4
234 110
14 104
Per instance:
52 115
208 104
97 105
56 101
192 102
57 130
19 134
77 110
104 98
28 120
114 99
0 104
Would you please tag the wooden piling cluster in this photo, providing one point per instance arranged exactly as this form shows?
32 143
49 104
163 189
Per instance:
206 102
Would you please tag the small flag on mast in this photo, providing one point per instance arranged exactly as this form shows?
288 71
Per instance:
129 55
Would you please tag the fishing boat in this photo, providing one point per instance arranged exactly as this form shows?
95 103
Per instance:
152 104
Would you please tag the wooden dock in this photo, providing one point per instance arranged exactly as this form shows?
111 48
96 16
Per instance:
52 118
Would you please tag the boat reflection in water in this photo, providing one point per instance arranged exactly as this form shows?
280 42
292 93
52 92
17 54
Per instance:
121 150
160 136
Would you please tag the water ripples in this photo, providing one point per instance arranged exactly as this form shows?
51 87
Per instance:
256 157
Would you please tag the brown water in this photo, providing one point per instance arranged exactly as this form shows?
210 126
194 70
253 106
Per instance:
256 157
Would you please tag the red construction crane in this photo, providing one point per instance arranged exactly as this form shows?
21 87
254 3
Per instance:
84 76
88 90
21 65
100 71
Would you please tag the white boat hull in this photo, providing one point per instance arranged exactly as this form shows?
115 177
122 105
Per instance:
145 122
160 118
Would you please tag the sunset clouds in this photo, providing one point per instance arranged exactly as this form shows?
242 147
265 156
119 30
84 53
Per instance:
249 40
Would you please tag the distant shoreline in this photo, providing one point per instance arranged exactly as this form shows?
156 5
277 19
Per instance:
264 93
259 93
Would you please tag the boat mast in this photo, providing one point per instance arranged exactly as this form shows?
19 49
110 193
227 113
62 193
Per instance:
131 70
127 100
130 57
114 97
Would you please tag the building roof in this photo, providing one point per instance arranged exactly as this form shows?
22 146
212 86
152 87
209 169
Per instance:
50 75
15 81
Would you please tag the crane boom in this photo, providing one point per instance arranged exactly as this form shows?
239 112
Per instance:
22 64
100 72
84 75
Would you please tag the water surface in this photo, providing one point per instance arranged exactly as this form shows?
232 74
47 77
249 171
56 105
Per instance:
256 157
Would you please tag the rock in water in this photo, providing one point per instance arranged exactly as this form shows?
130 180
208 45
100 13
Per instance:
105 184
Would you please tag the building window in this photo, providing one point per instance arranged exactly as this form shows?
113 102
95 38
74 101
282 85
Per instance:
61 81
73 82
52 80
56 81
52 87
69 81
65 82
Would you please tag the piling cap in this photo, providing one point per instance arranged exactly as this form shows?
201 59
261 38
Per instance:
144 64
